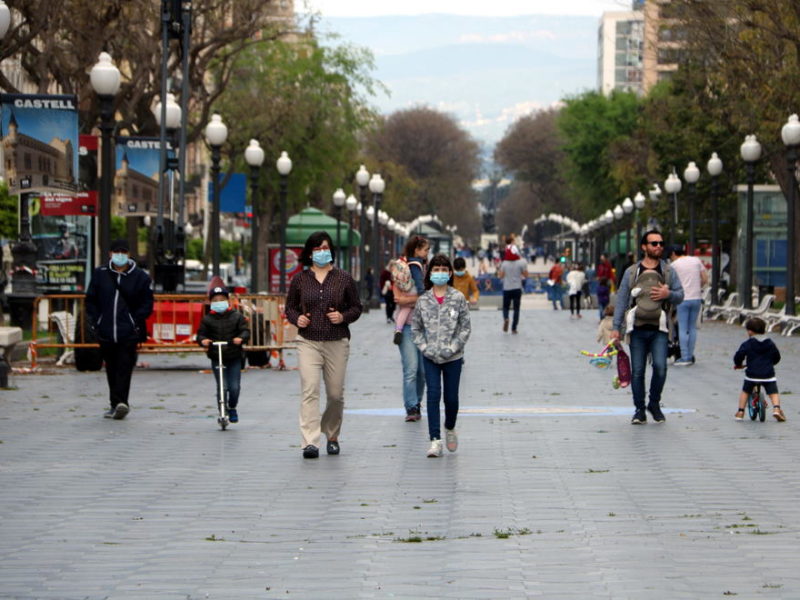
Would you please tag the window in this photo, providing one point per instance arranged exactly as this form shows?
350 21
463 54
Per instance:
27 161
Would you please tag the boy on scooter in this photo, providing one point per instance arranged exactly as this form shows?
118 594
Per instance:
224 324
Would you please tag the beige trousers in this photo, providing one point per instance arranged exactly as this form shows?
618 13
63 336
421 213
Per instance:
329 359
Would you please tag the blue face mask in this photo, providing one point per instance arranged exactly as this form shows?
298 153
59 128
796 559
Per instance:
220 306
321 258
459 273
440 278
119 259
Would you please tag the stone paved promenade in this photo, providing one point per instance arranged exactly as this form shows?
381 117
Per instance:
552 493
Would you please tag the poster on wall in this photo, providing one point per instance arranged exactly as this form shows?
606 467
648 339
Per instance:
136 179
292 267
40 146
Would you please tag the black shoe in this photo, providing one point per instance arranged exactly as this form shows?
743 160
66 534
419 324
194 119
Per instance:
658 416
310 452
333 447
398 338
233 415
639 417
120 411
109 414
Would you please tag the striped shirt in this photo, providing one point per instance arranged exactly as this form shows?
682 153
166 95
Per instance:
307 296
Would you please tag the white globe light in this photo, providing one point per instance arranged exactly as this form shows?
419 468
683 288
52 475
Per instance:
362 176
608 216
714 165
376 184
254 154
370 213
391 224
750 149
339 198
673 184
790 132
104 76
654 193
284 163
173 113
216 131
691 174
618 212
627 206
383 218
5 19
639 200
351 203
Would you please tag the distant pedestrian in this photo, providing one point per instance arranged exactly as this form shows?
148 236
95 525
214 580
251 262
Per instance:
416 253
575 280
441 328
554 290
646 290
464 282
512 271
322 301
760 355
387 293
604 269
225 324
693 276
118 302
603 295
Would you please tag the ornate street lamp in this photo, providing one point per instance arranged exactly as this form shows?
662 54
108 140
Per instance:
639 202
170 116
790 134
751 152
339 199
105 79
216 133
714 168
672 186
618 212
627 207
376 186
691 174
352 204
284 166
362 179
254 156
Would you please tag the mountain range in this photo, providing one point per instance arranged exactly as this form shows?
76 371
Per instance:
485 71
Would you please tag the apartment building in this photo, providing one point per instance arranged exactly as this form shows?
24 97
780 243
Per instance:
664 40
620 43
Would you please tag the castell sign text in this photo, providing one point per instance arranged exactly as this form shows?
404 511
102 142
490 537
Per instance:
48 103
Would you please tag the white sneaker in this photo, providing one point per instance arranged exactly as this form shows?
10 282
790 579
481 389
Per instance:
451 439
435 449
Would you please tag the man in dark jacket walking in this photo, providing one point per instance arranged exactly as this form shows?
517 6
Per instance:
118 302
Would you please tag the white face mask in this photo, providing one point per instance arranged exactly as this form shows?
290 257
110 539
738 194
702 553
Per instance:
119 259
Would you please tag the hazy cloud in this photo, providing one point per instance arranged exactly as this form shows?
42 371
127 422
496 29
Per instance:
504 38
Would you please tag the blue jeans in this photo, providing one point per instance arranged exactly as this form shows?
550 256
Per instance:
512 297
644 342
437 376
688 311
413 373
233 377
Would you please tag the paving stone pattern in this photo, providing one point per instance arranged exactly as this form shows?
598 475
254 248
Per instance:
164 505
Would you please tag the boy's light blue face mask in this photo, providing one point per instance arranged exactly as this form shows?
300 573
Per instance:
119 259
440 278
220 306
459 273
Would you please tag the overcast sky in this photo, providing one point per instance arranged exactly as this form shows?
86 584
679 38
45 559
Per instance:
498 8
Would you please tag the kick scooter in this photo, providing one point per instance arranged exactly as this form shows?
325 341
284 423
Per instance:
222 399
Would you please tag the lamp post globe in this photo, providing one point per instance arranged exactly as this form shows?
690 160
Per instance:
5 19
639 200
750 151
105 80
216 132
376 186
339 198
370 213
362 179
351 204
672 186
654 193
691 174
790 134
714 168
173 113
254 157
627 206
284 167
362 176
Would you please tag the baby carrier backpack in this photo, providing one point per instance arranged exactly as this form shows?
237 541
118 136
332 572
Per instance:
402 281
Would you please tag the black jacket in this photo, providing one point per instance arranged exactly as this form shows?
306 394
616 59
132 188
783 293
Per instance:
119 302
762 355
223 327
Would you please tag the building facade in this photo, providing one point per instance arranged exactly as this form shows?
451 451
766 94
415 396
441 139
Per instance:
620 41
664 40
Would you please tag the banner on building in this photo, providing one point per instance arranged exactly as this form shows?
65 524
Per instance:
136 179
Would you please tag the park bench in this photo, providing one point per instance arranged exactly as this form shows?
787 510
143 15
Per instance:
760 310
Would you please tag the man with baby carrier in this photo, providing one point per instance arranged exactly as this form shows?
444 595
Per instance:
647 290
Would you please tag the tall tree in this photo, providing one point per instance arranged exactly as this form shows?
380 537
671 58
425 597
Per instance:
56 44
439 157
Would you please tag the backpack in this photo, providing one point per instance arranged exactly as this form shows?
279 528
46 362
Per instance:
401 275
645 310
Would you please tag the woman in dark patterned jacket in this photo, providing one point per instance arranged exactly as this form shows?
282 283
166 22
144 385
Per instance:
322 301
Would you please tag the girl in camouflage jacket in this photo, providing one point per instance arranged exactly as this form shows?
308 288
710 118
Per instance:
440 329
